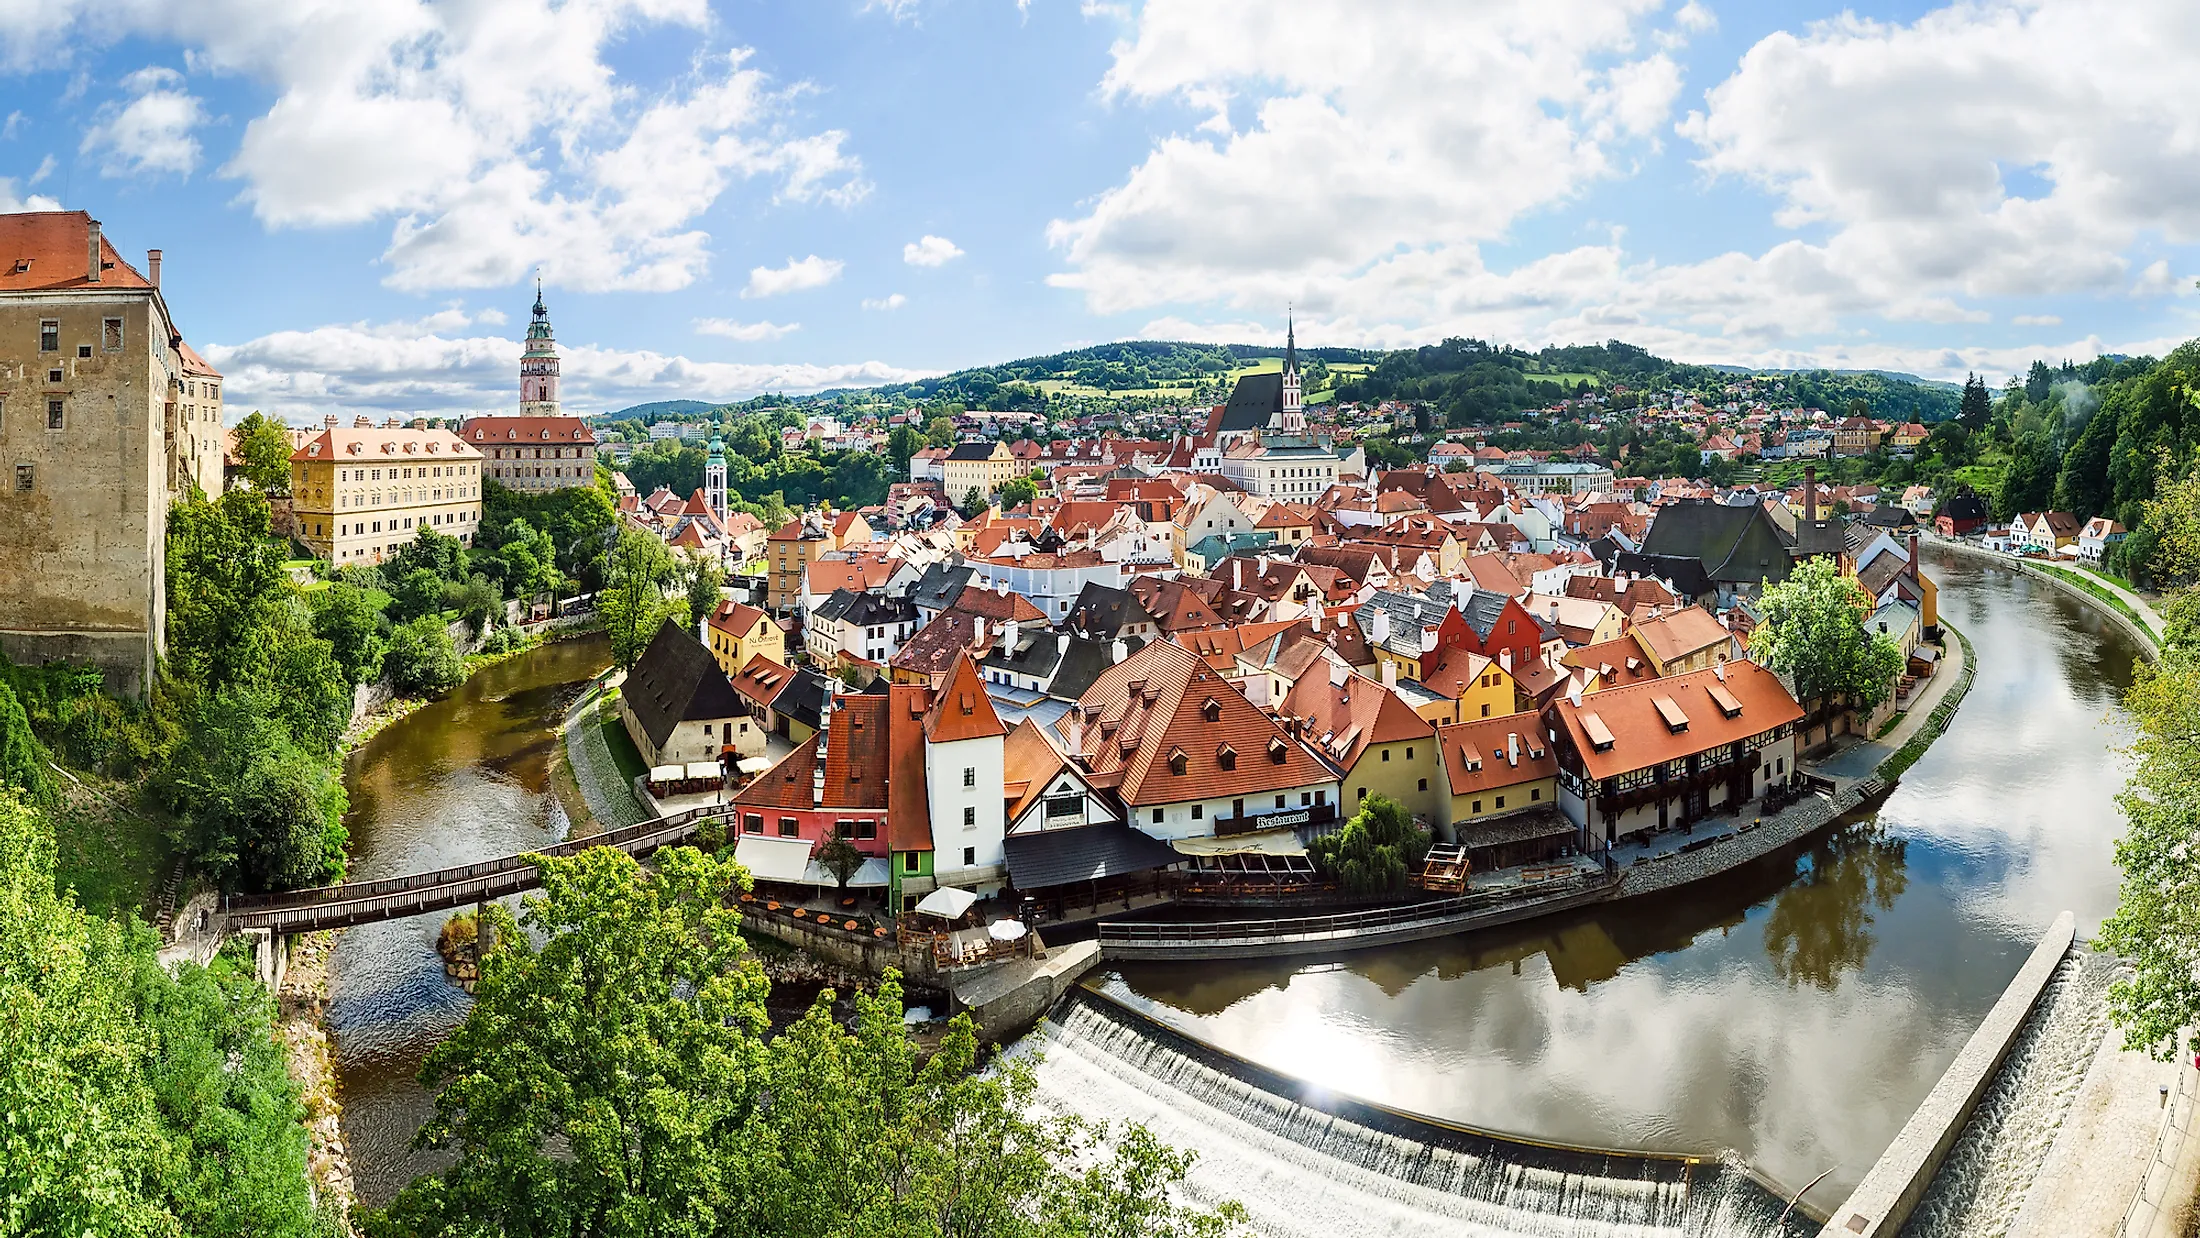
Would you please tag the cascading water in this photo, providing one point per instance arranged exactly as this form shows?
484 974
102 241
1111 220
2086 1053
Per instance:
1301 1169
1981 1186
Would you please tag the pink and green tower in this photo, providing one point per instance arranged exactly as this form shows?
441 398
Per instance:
538 366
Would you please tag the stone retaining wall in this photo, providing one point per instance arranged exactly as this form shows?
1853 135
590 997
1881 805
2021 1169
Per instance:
1882 1202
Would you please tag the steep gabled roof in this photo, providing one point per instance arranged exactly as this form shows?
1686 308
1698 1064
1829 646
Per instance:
1166 701
1488 753
1345 718
676 680
961 709
1640 718
1736 545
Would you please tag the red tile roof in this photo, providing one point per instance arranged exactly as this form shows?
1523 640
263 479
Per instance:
962 709
1635 716
45 250
486 430
1488 753
1165 702
1343 719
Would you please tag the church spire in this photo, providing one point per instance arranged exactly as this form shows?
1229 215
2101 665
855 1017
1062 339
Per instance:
1290 343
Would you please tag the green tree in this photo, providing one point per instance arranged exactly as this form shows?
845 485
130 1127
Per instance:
225 570
477 600
419 592
2156 927
1977 405
2172 520
421 659
840 858
633 602
257 810
137 1103
2039 382
440 554
350 619
1376 852
264 449
1017 492
1813 634
22 757
705 579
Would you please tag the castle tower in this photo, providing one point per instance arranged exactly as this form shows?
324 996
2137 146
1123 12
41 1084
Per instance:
538 366
1292 418
714 479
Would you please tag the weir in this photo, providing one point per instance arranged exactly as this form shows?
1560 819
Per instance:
1304 1161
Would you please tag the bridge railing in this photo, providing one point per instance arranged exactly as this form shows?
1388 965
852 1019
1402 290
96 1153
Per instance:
639 837
1342 924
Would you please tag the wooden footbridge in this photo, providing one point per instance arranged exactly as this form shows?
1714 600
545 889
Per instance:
364 902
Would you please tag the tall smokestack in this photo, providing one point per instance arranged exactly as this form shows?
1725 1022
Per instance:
152 266
1810 494
92 245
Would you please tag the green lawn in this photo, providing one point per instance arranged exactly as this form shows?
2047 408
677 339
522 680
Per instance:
1568 379
115 861
623 752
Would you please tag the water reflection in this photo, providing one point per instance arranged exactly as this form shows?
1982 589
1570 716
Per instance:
1820 926
465 778
1794 1012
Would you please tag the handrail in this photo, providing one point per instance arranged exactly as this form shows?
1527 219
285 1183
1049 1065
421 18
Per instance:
355 891
1341 923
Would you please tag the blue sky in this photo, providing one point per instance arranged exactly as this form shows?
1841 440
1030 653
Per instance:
745 195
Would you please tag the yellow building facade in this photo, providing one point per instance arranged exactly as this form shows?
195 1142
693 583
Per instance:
362 492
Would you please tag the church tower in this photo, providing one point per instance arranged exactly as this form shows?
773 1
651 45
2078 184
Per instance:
1291 419
538 366
714 479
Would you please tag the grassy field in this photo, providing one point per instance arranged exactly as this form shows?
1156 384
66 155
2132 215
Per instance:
622 748
1568 379
114 859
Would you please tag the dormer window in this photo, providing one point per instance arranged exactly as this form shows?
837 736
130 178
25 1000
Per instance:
1178 762
1211 711
1278 751
1226 757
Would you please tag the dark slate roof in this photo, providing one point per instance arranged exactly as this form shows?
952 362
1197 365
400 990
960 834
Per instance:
1966 507
804 698
835 606
1083 853
1687 576
1736 545
1254 402
1482 608
1408 615
1037 652
1103 610
972 451
677 681
867 609
1084 662
1822 537
1888 516
940 585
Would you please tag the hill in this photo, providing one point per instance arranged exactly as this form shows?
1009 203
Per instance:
658 409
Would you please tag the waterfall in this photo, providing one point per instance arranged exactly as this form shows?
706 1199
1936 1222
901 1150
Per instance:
1981 1186
1334 1167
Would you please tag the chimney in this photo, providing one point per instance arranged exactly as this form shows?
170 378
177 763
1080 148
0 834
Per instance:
1008 636
1505 660
1512 748
1810 494
1073 729
1914 569
1390 673
152 266
1117 651
329 422
1061 644
91 262
1382 626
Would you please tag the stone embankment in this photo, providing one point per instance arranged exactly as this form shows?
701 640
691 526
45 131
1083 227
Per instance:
2145 638
301 1024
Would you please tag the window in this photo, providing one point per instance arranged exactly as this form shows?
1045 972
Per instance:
866 828
970 775
1386 754
1409 752
752 823
53 414
1321 797
970 817
1477 805
1157 815
1424 784
970 857
26 477
1485 711
1535 793
706 730
1198 810
1279 801
1226 757
910 861
84 352
1065 806
788 827
1363 793
49 335
1500 801
1237 808
1178 763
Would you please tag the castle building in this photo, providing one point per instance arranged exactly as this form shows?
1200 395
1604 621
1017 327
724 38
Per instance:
362 493
542 448
93 446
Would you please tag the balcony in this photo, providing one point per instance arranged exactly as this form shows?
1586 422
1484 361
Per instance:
1276 819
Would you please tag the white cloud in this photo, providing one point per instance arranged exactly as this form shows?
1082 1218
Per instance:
1429 128
890 302
490 137
45 169
2037 320
150 134
1695 18
431 366
799 275
11 126
930 251
12 201
746 332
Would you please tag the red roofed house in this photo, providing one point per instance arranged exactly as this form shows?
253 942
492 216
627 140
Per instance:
1666 752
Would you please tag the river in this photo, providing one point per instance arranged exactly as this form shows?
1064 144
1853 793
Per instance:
462 779
1794 1013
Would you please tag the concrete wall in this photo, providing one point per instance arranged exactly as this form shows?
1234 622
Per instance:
82 551
1006 999
1882 1202
871 956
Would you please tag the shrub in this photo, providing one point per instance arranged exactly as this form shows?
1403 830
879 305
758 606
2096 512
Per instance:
421 659
1376 852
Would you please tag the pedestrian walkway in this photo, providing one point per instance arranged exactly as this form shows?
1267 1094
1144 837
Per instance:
609 799
1859 759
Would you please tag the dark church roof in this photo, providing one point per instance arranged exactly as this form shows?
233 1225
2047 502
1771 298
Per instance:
1256 401
1686 575
677 681
1735 545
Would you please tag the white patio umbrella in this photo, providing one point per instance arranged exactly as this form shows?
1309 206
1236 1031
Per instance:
1006 930
947 902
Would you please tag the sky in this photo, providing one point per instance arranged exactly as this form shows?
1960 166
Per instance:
725 197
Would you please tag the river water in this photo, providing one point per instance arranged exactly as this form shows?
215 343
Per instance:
462 779
1791 1015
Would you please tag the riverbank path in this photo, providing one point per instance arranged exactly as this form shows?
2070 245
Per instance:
1860 760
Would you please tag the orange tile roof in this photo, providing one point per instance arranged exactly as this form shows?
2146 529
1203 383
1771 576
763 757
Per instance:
762 680
1636 721
1454 670
382 444
1488 753
737 618
962 710
1145 711
822 576
526 430
45 250
194 364
856 754
1689 630
1622 656
908 810
1030 759
1343 719
995 606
